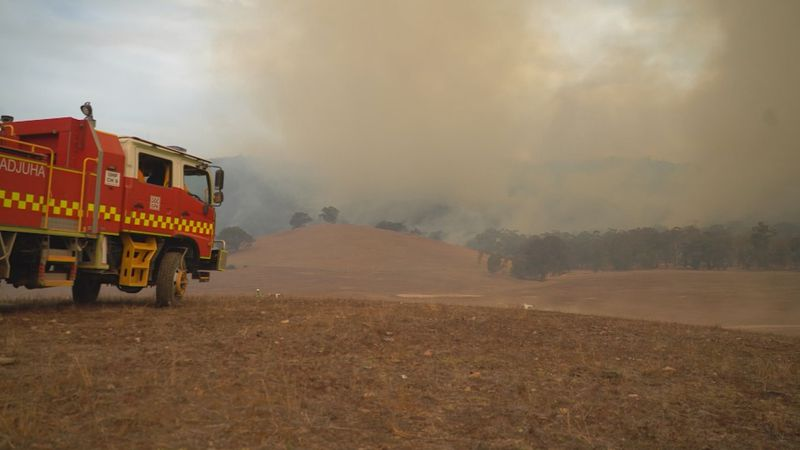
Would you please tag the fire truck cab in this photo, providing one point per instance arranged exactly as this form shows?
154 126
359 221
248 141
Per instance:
81 207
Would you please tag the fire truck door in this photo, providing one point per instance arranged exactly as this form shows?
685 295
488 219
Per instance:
150 198
194 206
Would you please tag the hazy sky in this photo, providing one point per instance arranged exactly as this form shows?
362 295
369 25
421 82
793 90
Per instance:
448 113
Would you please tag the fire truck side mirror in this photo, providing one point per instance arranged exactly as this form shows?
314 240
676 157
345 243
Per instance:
218 197
219 179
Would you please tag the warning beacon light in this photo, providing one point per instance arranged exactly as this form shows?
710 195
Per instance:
86 109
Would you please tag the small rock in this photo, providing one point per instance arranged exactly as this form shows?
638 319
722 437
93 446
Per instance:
285 321
633 396
403 376
610 374
7 361
668 369
775 394
474 374
428 353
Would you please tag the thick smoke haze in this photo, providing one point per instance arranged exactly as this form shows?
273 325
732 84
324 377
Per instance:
531 115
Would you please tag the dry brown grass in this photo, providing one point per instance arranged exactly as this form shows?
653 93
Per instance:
359 262
305 373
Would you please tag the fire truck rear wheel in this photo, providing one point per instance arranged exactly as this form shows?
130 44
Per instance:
172 279
85 289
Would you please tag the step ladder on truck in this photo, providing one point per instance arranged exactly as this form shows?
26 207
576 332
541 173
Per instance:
81 208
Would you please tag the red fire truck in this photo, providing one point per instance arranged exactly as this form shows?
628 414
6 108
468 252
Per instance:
81 207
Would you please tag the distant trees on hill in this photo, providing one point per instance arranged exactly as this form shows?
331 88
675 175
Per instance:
531 257
494 263
713 248
300 219
235 238
437 235
329 214
540 256
401 227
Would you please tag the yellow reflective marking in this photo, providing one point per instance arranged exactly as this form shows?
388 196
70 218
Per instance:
71 208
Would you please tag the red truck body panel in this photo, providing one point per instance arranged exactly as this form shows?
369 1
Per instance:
47 186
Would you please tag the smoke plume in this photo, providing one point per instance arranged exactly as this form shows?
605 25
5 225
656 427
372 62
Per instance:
462 114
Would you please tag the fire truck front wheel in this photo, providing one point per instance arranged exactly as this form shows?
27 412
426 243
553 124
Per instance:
85 289
172 279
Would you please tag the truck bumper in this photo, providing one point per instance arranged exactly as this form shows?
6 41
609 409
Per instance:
218 260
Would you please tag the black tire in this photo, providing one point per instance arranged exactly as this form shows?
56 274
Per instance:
85 289
172 279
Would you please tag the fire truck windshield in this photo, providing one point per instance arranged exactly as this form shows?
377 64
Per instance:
196 183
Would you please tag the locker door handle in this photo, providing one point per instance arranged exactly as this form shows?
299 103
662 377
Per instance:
185 214
138 206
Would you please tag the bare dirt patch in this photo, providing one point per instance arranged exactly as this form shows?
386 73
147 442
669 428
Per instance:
294 373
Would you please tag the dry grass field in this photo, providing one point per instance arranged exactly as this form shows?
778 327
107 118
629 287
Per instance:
360 262
348 261
384 340
303 373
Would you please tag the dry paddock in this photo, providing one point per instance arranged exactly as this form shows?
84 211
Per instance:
245 372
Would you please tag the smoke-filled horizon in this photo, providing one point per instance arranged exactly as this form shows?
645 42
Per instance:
533 115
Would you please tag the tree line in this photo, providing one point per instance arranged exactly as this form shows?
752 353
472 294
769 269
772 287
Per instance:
716 247
401 227
329 214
